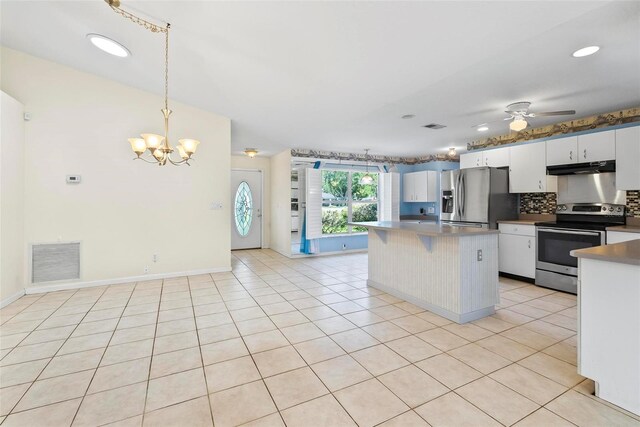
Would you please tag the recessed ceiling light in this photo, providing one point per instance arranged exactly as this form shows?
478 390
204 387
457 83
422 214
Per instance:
108 45
483 128
586 51
408 116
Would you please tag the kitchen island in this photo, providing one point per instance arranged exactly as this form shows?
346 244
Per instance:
451 271
609 321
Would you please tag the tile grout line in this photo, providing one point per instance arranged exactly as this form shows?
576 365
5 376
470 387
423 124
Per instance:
106 348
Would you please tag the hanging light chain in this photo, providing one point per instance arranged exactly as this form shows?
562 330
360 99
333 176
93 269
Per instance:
166 67
146 24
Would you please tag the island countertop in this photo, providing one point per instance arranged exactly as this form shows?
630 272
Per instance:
426 229
623 253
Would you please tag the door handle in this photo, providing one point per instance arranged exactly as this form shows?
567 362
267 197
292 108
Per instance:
529 244
571 155
585 153
580 233
540 184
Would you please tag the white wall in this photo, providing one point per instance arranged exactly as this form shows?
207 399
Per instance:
12 247
263 164
281 202
124 211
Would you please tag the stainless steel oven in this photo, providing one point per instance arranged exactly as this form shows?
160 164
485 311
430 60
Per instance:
578 226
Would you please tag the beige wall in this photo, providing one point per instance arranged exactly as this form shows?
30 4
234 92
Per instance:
12 247
263 164
124 211
281 202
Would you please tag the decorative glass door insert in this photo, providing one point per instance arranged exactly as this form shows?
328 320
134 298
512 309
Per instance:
243 208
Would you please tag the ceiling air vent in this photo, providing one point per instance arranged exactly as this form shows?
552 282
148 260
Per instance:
434 126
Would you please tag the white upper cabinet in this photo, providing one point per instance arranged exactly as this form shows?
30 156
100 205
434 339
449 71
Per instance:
471 160
628 158
598 146
496 158
420 186
562 151
528 170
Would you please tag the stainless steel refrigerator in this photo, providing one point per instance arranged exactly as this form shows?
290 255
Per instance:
477 197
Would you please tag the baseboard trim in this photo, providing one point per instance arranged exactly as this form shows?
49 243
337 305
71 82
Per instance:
346 251
5 302
121 280
454 317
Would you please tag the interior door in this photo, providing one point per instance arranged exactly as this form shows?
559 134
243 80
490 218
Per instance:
246 209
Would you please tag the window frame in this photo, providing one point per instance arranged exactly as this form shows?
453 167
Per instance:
350 200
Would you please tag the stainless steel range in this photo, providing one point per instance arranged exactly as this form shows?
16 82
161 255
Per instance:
578 226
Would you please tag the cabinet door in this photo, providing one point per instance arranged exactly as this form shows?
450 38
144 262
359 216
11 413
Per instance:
432 186
408 187
597 146
620 236
528 170
517 255
562 151
470 160
420 186
496 158
628 158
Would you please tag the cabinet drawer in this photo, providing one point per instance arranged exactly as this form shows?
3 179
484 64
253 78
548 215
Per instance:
518 229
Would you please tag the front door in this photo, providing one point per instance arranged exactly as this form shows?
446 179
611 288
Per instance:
246 209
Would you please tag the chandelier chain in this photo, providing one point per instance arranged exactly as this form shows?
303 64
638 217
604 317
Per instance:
166 67
146 24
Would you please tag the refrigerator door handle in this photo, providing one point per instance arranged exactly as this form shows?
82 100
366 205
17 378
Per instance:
457 190
462 195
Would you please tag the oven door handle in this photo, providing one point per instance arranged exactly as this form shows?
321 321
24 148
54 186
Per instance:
582 233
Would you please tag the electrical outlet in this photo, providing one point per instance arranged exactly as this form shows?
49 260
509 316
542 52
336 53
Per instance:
479 254
431 209
155 257
146 269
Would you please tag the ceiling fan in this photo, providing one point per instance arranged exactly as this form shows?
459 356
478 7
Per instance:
518 113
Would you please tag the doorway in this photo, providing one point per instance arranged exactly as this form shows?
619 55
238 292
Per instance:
246 209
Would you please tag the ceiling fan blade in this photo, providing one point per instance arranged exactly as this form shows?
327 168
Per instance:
554 113
488 123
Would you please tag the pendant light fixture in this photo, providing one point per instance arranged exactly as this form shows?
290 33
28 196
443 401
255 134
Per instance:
159 148
366 179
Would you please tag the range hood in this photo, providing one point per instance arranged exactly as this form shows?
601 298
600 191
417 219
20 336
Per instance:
583 168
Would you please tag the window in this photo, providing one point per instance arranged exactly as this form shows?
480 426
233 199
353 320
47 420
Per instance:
345 199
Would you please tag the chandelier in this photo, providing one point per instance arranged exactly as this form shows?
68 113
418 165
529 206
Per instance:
159 148
366 179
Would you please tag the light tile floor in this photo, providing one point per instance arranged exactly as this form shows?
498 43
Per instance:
300 342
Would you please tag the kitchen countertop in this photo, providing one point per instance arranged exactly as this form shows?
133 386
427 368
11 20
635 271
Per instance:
518 221
426 229
624 228
623 253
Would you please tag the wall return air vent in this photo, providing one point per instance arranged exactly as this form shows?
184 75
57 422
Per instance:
52 262
434 126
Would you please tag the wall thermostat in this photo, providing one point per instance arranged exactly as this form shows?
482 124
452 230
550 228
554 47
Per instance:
73 179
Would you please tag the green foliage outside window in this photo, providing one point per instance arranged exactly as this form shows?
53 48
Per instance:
336 200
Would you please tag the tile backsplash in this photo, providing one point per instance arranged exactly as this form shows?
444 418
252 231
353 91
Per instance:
538 203
545 203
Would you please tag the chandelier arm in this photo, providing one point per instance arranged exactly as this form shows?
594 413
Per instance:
145 160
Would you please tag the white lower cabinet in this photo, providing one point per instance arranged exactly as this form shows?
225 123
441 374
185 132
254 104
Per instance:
621 236
517 250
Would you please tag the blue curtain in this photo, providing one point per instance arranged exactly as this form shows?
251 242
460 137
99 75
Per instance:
308 246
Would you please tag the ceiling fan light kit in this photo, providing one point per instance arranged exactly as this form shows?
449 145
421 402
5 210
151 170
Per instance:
158 145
